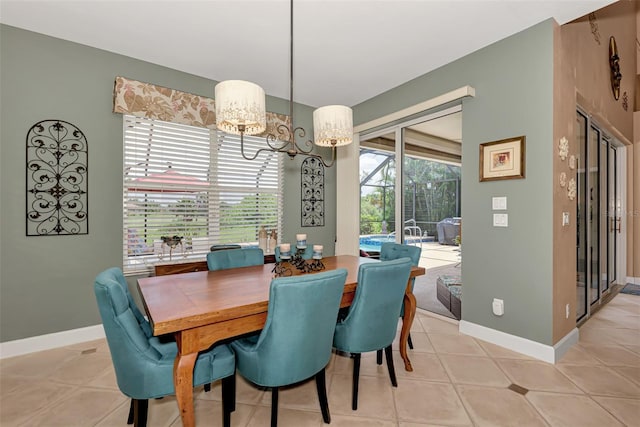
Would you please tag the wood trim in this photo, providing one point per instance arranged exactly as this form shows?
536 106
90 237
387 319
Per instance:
190 267
453 95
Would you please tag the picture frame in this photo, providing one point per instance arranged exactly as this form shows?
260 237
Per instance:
503 159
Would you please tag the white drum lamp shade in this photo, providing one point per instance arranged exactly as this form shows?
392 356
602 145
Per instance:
240 103
333 125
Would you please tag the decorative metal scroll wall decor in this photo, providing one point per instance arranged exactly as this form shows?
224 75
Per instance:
614 64
57 159
312 179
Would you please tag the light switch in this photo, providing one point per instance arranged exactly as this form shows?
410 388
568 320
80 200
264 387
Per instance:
499 203
565 218
500 220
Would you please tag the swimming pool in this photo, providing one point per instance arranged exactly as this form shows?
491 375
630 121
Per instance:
372 243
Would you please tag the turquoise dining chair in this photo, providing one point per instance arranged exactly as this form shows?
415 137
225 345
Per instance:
306 254
224 247
295 343
232 258
372 321
144 364
390 251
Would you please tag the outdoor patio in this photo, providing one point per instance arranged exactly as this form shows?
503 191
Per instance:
438 260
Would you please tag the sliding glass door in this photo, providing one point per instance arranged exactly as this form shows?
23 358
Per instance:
410 193
403 200
597 204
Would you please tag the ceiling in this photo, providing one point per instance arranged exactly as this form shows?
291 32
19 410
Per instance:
345 51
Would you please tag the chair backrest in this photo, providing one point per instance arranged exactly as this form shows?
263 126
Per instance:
373 317
224 247
307 254
390 251
297 338
131 351
232 258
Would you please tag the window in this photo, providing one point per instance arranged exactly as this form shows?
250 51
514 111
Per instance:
192 183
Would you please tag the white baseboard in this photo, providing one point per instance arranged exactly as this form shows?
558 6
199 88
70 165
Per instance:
436 315
634 280
546 353
49 341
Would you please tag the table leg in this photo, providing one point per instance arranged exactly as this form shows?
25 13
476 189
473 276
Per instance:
407 321
183 380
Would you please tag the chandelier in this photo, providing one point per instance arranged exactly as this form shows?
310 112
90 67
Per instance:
240 110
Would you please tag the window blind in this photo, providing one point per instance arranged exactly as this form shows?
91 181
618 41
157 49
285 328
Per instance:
193 183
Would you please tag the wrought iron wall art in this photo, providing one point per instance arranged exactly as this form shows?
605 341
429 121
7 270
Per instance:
312 181
57 160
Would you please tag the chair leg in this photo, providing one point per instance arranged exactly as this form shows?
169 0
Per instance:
140 409
356 376
321 385
130 417
392 371
410 342
274 407
379 357
228 399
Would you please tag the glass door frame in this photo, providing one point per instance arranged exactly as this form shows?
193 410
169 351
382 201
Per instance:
398 130
611 206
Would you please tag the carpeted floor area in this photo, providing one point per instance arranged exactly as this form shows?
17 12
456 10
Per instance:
425 289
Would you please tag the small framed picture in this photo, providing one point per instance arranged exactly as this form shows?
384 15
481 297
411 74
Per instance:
504 159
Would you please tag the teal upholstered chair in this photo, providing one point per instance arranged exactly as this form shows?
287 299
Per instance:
224 247
144 364
295 343
372 322
306 254
232 258
389 251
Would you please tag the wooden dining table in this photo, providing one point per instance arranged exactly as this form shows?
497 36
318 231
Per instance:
206 307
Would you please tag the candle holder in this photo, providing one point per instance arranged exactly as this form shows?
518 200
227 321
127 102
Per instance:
317 252
297 260
285 251
316 264
279 270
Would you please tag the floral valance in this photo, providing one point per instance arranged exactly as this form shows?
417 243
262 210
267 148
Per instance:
157 102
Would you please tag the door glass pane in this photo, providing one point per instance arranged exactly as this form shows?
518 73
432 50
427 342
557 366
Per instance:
431 201
594 212
377 192
602 204
581 198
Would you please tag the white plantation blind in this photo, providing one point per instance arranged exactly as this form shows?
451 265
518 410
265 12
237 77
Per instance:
192 183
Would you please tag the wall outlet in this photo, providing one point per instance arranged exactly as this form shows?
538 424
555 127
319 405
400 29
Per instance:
566 311
498 307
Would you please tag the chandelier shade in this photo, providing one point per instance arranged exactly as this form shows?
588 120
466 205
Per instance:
240 107
333 126
240 110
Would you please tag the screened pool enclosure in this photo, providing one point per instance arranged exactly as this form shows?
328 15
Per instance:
431 195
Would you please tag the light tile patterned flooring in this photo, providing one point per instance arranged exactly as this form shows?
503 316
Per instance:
457 381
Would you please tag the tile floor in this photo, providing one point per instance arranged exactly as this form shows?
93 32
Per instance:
457 381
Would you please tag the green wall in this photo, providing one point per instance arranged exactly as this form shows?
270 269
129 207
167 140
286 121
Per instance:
46 283
513 79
